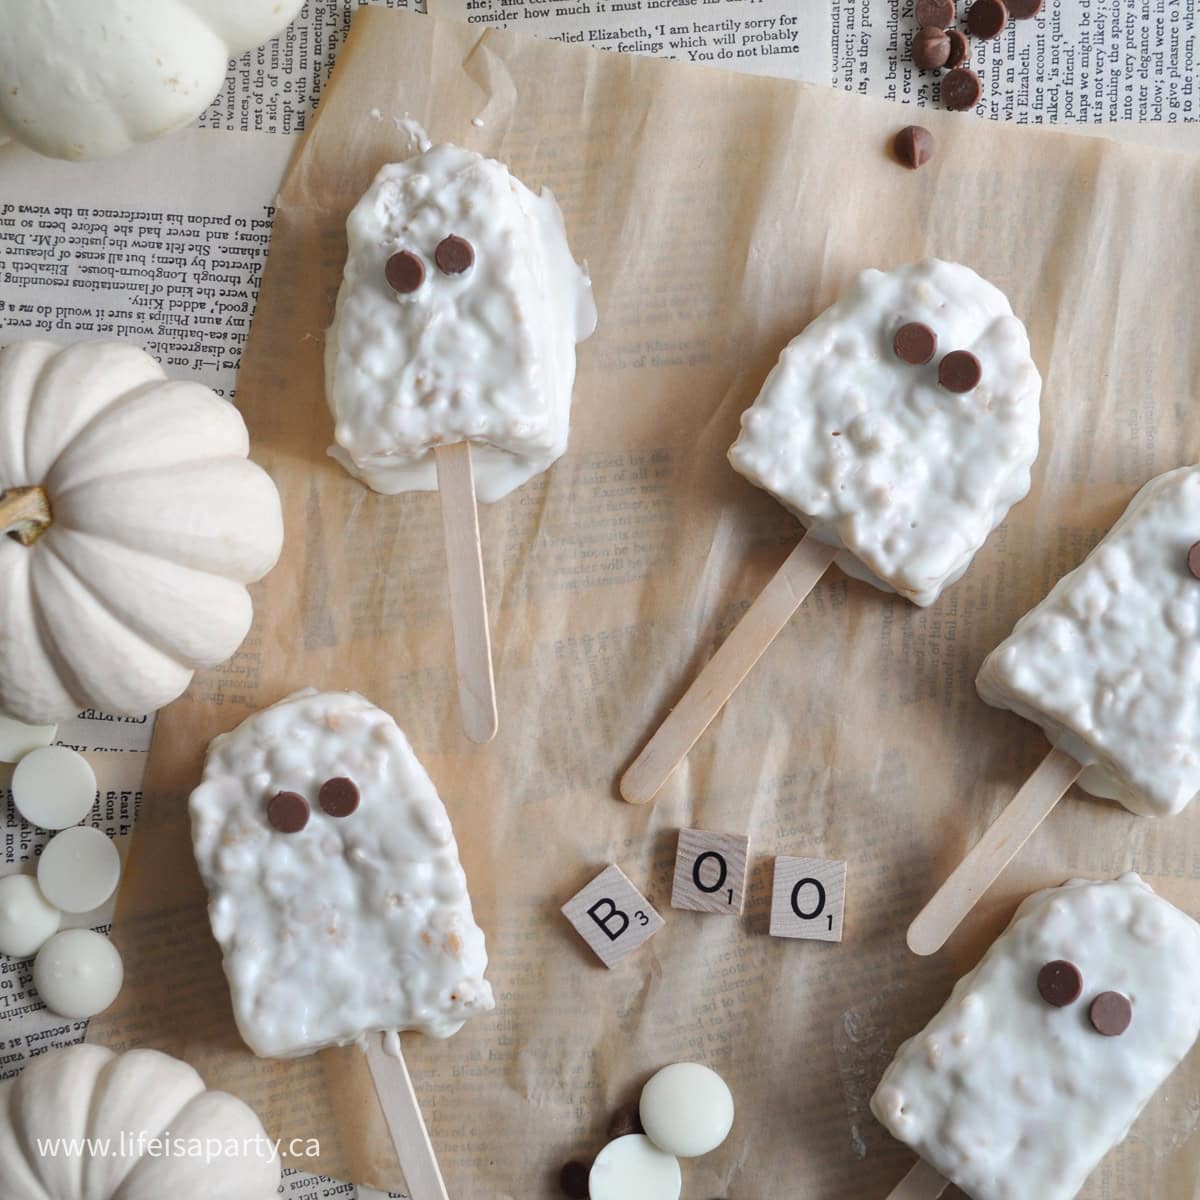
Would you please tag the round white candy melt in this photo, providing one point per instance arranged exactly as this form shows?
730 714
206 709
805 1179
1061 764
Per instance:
54 787
686 1109
17 740
79 869
27 919
78 973
633 1168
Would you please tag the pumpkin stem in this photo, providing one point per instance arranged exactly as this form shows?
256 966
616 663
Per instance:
25 514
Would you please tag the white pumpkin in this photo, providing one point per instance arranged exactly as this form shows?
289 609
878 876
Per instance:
88 78
135 523
129 1100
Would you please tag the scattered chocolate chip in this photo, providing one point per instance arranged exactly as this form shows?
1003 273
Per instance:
915 343
338 797
405 272
1193 559
959 371
454 255
987 18
573 1179
1110 1014
1059 983
626 1120
960 49
938 13
930 48
287 812
1022 10
961 89
914 146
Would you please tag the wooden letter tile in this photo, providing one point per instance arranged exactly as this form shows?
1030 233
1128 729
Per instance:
612 916
710 872
807 898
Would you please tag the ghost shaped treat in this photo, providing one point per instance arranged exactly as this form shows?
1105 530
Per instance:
1048 1050
900 426
457 320
335 888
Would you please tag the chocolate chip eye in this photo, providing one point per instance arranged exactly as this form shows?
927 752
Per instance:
338 797
1110 1014
1059 983
959 371
405 272
287 812
454 255
1193 559
915 343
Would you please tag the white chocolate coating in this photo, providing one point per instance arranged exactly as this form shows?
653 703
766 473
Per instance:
27 918
686 1109
1108 663
79 869
355 924
486 356
17 739
1011 1098
871 454
78 973
54 787
634 1168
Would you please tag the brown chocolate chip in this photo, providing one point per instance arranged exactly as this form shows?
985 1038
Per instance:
573 1179
914 146
338 797
454 255
405 272
1021 10
1193 559
938 13
959 371
930 48
915 343
626 1120
960 49
961 89
1059 983
287 812
987 18
1110 1014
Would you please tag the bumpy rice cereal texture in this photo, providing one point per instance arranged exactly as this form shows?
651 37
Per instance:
1109 663
355 924
872 454
486 355
1011 1098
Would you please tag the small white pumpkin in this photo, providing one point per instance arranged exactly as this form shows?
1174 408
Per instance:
88 78
129 1100
135 523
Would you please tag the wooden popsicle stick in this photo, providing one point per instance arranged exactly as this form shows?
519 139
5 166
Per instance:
993 852
468 592
921 1183
769 613
402 1112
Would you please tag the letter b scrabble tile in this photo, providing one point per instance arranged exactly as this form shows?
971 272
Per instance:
710 872
807 898
612 916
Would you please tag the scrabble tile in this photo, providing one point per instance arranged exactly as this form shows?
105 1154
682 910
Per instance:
807 898
710 872
612 916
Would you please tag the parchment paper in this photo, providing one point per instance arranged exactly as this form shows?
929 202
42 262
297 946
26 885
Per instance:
719 213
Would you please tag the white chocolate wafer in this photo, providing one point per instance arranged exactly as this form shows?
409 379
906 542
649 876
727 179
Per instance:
27 918
335 888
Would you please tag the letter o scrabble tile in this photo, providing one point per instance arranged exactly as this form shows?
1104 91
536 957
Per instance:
54 787
79 869
633 1168
78 973
807 898
27 918
686 1109
710 872
612 916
